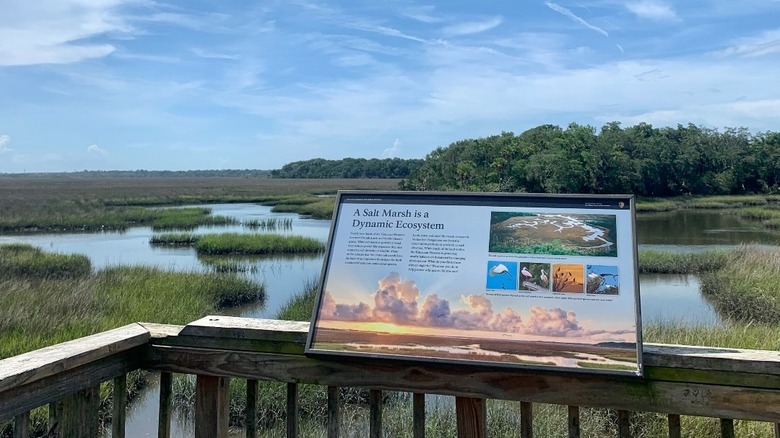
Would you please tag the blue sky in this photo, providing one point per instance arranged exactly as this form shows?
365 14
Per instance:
147 84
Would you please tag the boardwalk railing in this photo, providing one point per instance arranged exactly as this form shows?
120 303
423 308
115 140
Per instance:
721 383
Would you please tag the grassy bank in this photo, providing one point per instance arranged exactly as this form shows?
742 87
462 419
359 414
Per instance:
38 309
667 262
241 244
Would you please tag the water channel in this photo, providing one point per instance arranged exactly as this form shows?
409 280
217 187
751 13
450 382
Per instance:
663 297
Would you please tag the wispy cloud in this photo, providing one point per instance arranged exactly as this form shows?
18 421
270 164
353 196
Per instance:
472 27
656 10
766 43
574 17
423 14
208 54
57 31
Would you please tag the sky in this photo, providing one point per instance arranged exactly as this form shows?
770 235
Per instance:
195 84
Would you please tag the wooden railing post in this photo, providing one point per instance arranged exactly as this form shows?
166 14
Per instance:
574 422
418 412
375 414
166 405
250 416
526 420
674 426
726 428
471 416
22 425
80 413
55 419
119 407
211 407
623 423
333 412
292 410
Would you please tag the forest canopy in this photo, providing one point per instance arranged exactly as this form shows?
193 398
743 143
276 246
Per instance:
349 168
641 159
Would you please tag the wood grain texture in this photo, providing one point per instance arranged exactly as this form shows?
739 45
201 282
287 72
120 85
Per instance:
471 416
22 425
211 407
35 365
23 398
80 413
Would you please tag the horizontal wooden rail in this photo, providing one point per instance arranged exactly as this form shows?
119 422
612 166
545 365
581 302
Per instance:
679 380
713 382
41 376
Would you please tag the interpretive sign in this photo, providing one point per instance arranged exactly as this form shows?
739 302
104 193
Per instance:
493 279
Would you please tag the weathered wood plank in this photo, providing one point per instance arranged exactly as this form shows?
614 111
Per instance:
250 416
375 413
119 407
165 406
55 419
22 425
711 358
80 413
603 391
526 420
231 327
777 430
674 426
35 365
574 422
211 407
292 410
623 423
418 414
471 416
334 417
726 428
42 391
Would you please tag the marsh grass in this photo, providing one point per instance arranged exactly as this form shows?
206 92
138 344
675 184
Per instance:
173 239
270 224
20 260
236 243
747 289
667 262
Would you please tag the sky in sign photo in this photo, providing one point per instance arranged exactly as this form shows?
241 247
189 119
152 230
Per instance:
147 84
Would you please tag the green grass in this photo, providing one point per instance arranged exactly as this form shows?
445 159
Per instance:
270 224
174 239
667 262
747 288
25 261
36 311
236 243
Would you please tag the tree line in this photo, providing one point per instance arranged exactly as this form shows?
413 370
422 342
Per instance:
349 168
641 159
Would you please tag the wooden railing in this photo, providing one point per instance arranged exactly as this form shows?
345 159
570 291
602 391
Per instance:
721 383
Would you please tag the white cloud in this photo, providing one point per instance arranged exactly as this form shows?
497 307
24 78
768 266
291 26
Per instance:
393 151
655 10
568 13
54 31
766 43
4 141
97 150
472 27
423 14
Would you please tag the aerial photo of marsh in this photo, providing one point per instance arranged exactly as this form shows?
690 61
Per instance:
553 233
